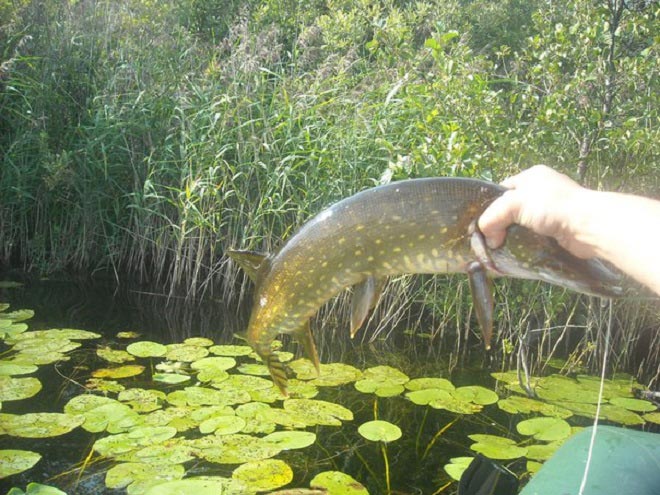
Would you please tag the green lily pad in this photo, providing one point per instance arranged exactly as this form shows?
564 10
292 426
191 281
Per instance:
201 485
121 443
105 386
380 431
517 404
58 334
231 350
495 447
18 315
475 394
620 415
543 452
146 348
331 374
452 404
264 475
16 461
430 383
560 388
318 412
125 371
185 353
102 413
128 335
256 369
142 400
9 330
176 417
545 429
9 284
39 425
233 449
636 405
139 476
423 397
198 341
170 452
114 355
338 483
18 388
456 466
198 396
653 417
289 440
36 489
170 378
222 425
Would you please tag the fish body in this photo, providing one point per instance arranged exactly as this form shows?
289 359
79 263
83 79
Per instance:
411 226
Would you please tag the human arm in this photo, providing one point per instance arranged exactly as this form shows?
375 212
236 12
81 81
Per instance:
620 228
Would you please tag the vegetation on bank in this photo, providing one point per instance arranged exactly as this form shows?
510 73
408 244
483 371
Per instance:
146 137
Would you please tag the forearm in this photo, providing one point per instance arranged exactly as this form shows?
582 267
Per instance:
622 229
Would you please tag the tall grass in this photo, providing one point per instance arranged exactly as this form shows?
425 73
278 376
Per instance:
145 138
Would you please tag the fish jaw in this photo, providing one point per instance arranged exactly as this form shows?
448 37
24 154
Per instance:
527 255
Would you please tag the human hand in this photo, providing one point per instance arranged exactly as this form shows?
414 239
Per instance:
542 200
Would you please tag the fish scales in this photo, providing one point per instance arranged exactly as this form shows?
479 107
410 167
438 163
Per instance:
411 226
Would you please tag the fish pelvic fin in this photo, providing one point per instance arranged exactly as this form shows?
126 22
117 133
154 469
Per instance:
482 299
365 298
304 336
250 261
277 372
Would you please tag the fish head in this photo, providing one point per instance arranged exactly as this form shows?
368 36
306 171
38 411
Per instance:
528 255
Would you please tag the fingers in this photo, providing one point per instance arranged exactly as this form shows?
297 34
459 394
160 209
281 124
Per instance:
493 223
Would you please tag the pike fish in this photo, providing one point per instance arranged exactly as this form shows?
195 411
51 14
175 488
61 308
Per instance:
411 226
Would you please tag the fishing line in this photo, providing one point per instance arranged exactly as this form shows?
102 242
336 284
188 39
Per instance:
600 400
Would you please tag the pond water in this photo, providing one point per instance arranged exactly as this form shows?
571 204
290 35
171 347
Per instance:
214 422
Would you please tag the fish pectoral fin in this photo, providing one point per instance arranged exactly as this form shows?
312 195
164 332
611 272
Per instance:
481 288
249 261
277 371
365 297
304 336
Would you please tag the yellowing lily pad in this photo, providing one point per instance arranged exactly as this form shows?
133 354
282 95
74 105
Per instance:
125 371
264 475
338 483
38 425
16 461
121 443
114 355
146 348
545 429
380 431
139 476
18 388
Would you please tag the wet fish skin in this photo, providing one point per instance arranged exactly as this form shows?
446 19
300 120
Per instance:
411 226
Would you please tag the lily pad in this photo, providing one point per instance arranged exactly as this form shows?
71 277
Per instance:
233 449
102 413
430 383
457 465
637 405
16 461
185 353
121 443
146 348
495 447
264 475
9 284
125 371
517 404
18 388
202 485
653 417
338 483
39 425
222 425
318 412
476 394
36 489
231 350
545 429
142 400
423 397
139 476
288 440
198 341
114 355
380 431
170 378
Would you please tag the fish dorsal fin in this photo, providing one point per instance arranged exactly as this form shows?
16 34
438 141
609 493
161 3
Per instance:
365 297
250 261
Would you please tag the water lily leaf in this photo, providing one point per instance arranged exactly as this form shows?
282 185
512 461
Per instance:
4 306
338 483
517 404
385 374
456 466
34 356
198 396
222 425
114 355
561 388
102 413
125 371
257 369
219 363
59 334
620 415
543 452
105 386
167 453
142 475
299 389
244 383
201 485
180 418
39 425
331 374
9 331
430 382
318 412
18 315
231 350
122 443
617 387
128 334
264 475
545 429
36 489
452 404
380 431
533 466
146 348
289 440
170 378
142 400
653 417
18 388
233 449
637 405
255 424
185 353
476 394
9 284
16 461
45 345
198 341
423 397
495 447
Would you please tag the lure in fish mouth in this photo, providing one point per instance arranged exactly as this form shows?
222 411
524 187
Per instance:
412 226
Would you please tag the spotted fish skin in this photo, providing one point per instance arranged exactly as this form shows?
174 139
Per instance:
411 226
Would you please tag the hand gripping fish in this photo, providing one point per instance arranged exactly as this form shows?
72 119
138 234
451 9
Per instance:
411 226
